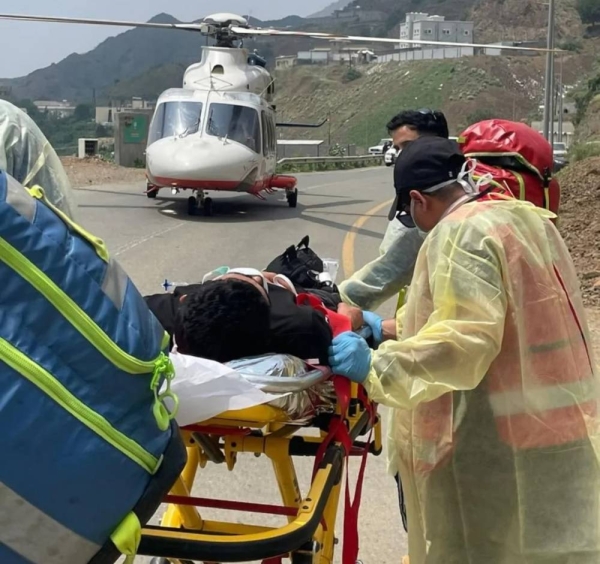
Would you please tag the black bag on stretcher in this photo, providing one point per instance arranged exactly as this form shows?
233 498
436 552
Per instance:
303 267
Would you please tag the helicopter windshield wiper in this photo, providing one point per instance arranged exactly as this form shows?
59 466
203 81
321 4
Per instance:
195 125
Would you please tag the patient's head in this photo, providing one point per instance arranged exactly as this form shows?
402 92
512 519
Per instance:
224 320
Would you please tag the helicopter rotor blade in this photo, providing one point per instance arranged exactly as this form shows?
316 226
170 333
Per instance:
203 28
391 40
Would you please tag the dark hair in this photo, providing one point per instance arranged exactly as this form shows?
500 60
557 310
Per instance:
426 122
223 320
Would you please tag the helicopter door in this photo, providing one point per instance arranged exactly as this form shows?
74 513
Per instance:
236 123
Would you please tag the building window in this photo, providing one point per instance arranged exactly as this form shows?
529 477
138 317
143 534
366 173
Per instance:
467 32
428 31
446 32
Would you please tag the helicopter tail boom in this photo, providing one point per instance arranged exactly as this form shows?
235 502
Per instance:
306 125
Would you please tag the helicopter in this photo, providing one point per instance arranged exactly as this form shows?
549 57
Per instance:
218 131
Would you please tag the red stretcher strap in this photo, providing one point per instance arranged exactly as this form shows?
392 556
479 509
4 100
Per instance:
339 432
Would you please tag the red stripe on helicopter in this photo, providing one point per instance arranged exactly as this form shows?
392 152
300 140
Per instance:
280 181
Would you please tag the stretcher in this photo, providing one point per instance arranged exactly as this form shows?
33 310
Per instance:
351 428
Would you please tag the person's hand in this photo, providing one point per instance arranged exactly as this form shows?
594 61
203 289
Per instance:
375 323
355 314
350 356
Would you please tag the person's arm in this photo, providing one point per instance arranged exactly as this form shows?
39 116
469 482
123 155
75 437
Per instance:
384 277
463 334
389 330
298 330
354 314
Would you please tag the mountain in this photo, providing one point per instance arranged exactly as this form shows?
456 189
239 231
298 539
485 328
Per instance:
117 58
124 58
118 64
329 10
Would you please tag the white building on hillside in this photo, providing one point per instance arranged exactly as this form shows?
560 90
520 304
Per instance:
421 26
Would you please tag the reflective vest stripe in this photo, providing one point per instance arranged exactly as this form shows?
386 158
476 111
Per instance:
548 428
37 537
534 401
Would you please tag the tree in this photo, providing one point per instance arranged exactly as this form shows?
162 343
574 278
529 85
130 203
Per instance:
480 114
589 10
84 112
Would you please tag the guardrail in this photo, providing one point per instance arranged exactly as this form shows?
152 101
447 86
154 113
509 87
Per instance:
377 159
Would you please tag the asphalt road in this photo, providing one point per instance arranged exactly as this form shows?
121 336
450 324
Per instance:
156 240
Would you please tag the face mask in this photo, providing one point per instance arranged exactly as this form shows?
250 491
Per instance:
422 232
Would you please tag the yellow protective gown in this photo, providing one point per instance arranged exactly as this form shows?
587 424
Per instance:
495 428
27 156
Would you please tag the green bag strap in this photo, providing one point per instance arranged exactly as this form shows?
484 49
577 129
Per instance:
127 537
99 246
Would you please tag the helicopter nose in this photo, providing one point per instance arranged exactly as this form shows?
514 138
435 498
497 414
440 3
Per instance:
191 162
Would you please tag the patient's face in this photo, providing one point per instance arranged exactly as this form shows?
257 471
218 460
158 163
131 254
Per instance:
256 281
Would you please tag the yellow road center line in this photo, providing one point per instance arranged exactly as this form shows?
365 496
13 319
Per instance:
350 239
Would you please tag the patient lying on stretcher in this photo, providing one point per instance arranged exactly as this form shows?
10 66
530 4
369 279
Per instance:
246 313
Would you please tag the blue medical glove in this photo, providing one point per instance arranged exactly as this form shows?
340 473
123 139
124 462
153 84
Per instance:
350 356
375 323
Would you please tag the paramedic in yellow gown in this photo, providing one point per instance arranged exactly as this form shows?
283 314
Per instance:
491 375
28 157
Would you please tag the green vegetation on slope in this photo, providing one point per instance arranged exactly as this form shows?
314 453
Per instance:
149 85
63 133
467 90
587 98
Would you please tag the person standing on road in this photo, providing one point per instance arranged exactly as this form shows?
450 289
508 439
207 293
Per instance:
385 276
490 374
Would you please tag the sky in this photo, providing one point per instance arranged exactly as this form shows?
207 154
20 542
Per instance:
25 47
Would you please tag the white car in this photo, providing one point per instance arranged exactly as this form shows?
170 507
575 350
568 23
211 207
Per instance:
559 150
390 156
378 149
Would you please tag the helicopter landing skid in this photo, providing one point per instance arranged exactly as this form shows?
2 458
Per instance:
200 201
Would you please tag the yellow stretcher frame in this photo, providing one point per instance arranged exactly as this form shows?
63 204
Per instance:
309 536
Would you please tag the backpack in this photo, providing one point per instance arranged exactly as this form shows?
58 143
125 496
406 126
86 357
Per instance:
518 158
87 445
302 266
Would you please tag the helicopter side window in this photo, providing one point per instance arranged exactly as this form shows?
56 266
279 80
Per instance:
236 123
175 118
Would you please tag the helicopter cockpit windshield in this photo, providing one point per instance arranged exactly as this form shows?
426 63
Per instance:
175 118
236 123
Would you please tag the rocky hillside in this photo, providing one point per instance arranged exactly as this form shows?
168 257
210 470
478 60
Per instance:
524 19
466 90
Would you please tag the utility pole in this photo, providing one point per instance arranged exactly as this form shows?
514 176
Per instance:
549 91
561 100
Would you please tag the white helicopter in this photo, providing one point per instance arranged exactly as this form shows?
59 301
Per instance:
218 132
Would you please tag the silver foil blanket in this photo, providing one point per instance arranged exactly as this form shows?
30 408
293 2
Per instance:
308 390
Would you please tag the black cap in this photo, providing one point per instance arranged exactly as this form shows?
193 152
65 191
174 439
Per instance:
423 164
